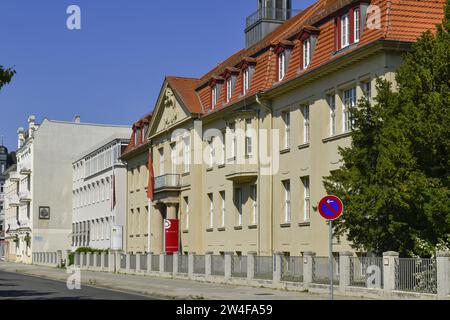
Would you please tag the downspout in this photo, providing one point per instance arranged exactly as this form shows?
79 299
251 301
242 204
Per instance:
269 110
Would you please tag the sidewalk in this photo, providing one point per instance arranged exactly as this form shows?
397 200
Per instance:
165 288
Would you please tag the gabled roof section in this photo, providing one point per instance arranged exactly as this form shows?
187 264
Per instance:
185 88
134 145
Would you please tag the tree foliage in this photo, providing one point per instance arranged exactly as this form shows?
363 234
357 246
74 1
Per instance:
6 75
395 180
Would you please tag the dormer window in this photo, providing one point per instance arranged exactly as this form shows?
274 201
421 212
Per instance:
356 24
214 96
246 81
345 31
282 65
349 26
137 136
229 89
306 52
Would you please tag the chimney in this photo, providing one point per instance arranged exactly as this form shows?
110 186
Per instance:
77 119
21 137
31 125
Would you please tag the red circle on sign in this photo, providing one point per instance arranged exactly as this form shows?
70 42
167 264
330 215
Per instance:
331 208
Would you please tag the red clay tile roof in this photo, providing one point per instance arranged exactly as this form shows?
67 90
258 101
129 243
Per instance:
185 88
132 146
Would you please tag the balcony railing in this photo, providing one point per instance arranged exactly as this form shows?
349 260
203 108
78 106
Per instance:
167 181
13 201
25 167
14 176
270 14
25 195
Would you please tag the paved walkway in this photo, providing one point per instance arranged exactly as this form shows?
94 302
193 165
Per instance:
165 288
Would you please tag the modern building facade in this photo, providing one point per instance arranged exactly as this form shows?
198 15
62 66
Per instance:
136 158
99 194
239 155
44 165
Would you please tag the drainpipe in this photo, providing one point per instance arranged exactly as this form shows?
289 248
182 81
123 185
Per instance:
269 110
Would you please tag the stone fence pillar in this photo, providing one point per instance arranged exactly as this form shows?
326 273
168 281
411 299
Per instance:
443 274
149 262
277 268
59 259
344 269
191 264
161 263
228 260
389 260
176 256
308 260
251 265
208 263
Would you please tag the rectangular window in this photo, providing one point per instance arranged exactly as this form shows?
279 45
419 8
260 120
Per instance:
306 199
229 88
306 53
248 137
281 65
211 210
356 24
187 154
186 210
287 129
332 104
212 152
306 128
161 161
254 196
345 31
223 212
349 101
238 204
287 201
246 81
224 144
214 96
367 90
232 131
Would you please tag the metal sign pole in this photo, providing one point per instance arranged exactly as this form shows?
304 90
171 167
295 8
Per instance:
331 259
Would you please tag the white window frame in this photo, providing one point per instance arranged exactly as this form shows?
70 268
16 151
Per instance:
254 195
287 201
223 212
332 105
356 25
211 210
229 89
187 154
349 100
214 96
287 128
345 31
306 52
306 124
186 202
367 90
282 65
246 81
306 198
248 138
238 201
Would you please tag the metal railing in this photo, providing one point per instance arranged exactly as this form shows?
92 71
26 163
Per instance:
167 181
266 13
416 275
321 270
363 269
239 266
292 269
264 267
217 265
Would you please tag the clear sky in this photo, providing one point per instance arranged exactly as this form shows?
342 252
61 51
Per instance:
110 71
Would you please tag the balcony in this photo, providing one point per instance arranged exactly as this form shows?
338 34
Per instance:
167 182
25 196
241 173
25 167
13 201
270 14
14 176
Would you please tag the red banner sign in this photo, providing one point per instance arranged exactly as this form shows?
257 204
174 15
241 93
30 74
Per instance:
171 235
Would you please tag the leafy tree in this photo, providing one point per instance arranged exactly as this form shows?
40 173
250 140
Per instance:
395 180
5 75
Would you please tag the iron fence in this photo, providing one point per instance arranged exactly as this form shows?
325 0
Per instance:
239 266
199 264
132 262
168 263
155 262
183 264
416 275
143 262
217 265
264 267
366 272
292 269
321 273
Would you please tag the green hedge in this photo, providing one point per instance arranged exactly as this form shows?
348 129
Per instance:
84 250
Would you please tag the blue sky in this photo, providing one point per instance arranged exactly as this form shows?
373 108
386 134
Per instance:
112 69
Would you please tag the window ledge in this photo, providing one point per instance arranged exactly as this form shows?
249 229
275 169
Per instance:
304 146
220 166
253 226
337 137
185 231
209 230
185 174
285 225
304 224
238 228
221 229
286 150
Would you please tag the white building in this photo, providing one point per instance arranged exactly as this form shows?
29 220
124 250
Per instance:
44 164
99 193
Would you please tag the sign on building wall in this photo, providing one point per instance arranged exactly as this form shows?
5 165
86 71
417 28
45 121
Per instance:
171 235
44 213
116 238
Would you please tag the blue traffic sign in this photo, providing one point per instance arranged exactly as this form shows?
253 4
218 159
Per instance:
331 207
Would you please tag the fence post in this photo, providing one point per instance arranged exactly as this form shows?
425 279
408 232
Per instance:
76 257
82 259
208 264
117 264
127 263
389 260
138 263
308 271
95 259
102 261
176 256
161 263
191 264
149 262
227 268
277 267
344 269
68 252
251 265
59 258
443 273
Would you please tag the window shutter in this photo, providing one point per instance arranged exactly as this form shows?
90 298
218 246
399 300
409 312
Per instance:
351 18
337 42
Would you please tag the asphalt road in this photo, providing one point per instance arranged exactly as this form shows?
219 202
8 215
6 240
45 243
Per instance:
20 287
